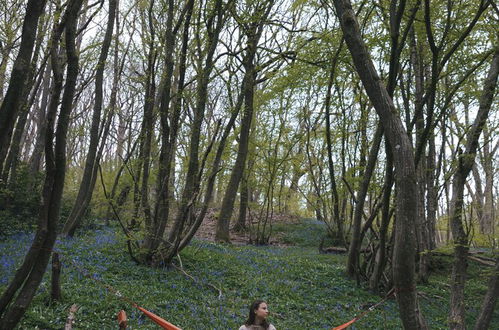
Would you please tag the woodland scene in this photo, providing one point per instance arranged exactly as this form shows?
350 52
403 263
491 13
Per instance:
177 160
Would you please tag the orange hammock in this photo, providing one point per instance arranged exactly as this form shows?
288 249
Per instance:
122 321
158 320
355 319
346 325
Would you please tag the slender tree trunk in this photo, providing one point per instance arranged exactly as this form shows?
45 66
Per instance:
335 196
36 156
91 164
243 203
432 194
214 171
381 255
486 221
169 132
421 229
355 243
30 92
465 163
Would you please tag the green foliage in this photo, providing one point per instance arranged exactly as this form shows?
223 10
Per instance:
305 233
19 202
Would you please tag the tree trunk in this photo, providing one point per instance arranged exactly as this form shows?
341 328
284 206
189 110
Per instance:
489 301
30 92
22 65
486 221
29 276
335 197
55 283
91 164
421 229
253 34
169 132
405 175
243 203
192 180
432 194
214 171
381 254
36 156
355 243
466 160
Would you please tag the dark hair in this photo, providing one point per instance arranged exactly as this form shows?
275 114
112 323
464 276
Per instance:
251 318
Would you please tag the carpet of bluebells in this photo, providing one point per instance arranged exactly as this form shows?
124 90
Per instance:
304 289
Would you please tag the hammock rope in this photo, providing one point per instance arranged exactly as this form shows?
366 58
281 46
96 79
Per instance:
355 319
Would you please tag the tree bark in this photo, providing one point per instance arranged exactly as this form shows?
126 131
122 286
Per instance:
486 221
355 243
55 284
36 156
243 203
13 96
381 254
29 94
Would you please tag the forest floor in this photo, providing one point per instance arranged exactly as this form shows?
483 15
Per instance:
208 228
212 284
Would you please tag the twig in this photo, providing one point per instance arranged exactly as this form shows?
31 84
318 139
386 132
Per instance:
180 260
196 281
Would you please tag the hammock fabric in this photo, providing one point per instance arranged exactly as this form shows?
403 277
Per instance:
122 321
346 325
158 320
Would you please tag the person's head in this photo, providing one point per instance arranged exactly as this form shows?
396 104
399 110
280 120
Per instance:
258 314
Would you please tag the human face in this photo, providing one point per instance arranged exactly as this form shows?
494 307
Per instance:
262 312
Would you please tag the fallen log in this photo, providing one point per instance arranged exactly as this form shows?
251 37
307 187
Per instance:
338 250
482 261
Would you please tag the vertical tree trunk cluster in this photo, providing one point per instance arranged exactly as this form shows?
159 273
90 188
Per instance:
97 133
466 161
253 32
405 172
21 290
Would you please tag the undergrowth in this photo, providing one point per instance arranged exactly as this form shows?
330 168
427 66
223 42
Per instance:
304 289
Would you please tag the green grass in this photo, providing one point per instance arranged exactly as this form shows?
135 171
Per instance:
304 289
